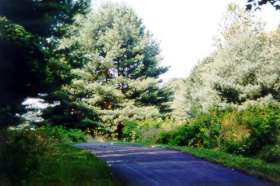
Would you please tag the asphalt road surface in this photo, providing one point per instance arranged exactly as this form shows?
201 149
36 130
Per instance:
143 166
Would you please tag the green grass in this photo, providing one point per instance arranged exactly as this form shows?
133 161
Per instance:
254 167
67 165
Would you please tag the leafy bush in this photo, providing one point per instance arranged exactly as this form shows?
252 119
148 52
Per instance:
252 131
180 136
233 135
22 151
64 135
131 131
264 126
248 131
202 131
270 153
146 131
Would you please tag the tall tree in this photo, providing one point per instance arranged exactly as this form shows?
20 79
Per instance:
43 17
243 70
26 47
21 65
179 103
118 66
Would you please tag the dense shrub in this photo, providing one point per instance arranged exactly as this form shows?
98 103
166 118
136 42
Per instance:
131 131
248 131
181 136
270 153
64 135
146 131
253 131
21 151
264 126
202 131
233 135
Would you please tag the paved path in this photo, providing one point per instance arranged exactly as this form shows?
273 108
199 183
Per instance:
142 166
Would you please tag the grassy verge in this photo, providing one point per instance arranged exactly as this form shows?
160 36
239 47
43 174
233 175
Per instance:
254 167
67 165
45 157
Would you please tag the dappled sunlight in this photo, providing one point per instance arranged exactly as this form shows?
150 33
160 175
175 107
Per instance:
159 166
132 153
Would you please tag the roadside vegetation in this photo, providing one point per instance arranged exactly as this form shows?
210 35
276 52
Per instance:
231 103
247 140
45 156
252 166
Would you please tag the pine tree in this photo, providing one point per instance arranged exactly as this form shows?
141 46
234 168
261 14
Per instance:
118 66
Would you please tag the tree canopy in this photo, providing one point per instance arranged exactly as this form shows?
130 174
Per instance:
21 66
44 17
244 69
27 32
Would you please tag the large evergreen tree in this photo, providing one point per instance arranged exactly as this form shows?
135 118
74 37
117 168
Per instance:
118 66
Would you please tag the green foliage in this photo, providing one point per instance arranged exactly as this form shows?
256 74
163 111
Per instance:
145 131
70 166
20 153
202 131
28 33
254 131
179 103
241 79
233 134
252 166
243 70
264 126
62 135
45 17
270 153
71 115
24 153
57 71
114 64
21 65
131 131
